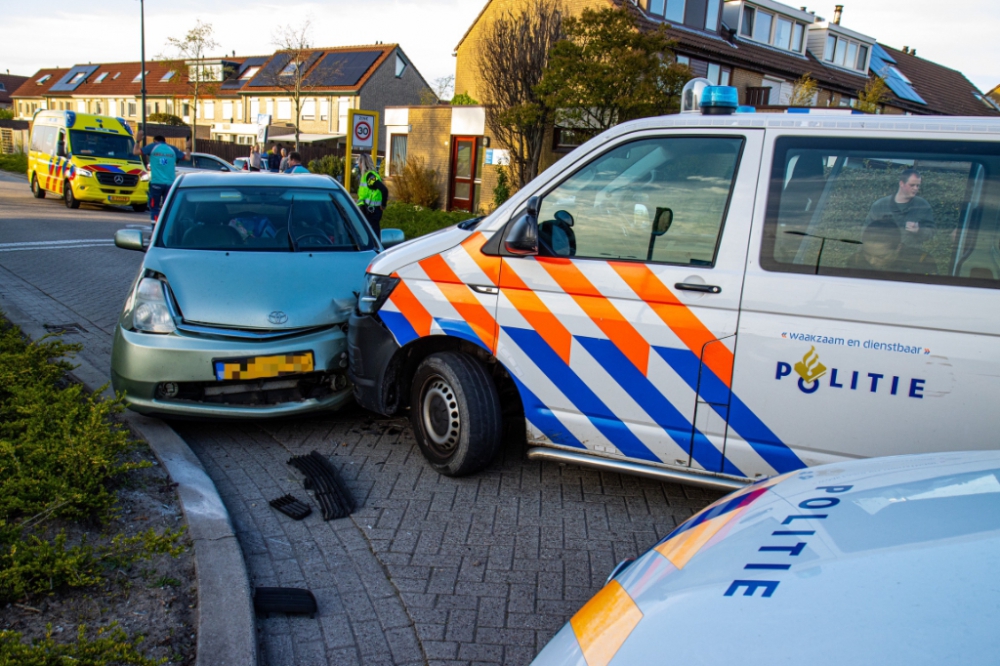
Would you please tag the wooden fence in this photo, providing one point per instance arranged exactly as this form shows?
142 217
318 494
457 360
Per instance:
229 151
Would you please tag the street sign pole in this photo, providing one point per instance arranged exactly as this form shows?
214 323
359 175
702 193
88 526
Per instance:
142 30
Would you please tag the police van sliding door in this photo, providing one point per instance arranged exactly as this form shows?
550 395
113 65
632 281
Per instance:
612 328
871 311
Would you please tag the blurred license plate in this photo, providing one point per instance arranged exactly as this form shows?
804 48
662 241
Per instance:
115 199
258 367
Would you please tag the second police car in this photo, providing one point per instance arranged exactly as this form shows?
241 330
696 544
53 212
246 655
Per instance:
707 297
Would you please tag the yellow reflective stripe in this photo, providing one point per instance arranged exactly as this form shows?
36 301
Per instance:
604 623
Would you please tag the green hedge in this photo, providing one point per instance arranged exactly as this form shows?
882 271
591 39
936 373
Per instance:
416 221
14 162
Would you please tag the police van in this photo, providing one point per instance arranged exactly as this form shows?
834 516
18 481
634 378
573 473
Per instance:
709 297
85 157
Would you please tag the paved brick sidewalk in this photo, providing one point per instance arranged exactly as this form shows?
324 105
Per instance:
477 570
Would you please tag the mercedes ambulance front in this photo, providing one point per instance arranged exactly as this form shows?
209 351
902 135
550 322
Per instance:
706 298
85 158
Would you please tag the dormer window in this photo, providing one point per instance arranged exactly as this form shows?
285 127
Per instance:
101 77
844 52
291 68
166 77
400 65
79 76
774 29
672 10
138 77
249 74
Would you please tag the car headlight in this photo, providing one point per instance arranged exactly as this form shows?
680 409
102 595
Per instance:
377 290
86 173
144 177
151 313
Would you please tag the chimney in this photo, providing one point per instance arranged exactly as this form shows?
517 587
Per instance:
906 49
838 10
913 52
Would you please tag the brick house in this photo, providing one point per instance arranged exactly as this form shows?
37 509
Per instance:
8 84
761 47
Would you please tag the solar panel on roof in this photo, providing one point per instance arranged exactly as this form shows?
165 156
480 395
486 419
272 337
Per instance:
269 75
342 68
67 82
884 65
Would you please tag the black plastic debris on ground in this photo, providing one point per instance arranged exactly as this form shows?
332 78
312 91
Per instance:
322 477
291 507
289 600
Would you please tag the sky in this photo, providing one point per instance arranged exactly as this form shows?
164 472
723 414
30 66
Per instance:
956 33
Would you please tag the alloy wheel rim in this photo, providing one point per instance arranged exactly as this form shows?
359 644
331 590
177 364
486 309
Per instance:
440 416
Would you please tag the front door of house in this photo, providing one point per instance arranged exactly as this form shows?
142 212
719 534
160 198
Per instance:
463 172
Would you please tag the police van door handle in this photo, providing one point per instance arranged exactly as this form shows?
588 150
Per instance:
704 288
484 289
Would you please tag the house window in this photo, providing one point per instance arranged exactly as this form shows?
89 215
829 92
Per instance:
138 77
397 158
156 107
227 110
166 77
672 10
309 109
846 53
400 65
254 109
97 108
797 33
131 109
79 76
748 15
762 27
81 106
270 108
43 79
209 108
121 108
117 74
291 68
249 74
101 77
284 109
683 60
783 34
187 109
712 16
324 109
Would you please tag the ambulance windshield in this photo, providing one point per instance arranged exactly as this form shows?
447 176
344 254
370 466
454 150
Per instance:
102 145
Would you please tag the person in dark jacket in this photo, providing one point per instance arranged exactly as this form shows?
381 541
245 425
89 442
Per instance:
274 160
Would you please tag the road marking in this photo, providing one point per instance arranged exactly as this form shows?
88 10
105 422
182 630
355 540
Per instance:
56 245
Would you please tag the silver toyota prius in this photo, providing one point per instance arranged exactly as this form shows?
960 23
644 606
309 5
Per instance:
241 305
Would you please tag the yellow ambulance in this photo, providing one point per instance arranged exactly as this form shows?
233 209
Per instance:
83 157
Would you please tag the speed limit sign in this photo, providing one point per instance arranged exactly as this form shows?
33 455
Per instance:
363 133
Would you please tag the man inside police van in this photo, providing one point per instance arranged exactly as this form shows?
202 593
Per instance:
911 213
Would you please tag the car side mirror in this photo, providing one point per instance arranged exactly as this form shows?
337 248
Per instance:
564 218
534 205
391 237
522 239
664 218
130 239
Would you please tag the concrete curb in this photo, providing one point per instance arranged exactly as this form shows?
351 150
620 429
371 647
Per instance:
227 633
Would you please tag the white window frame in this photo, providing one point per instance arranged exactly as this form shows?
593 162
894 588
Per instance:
208 110
309 108
284 109
227 110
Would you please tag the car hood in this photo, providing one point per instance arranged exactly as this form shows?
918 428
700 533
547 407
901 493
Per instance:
244 289
882 561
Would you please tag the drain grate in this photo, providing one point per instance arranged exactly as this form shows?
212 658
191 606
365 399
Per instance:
292 507
322 477
66 329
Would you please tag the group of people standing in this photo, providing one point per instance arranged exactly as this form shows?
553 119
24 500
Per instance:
275 161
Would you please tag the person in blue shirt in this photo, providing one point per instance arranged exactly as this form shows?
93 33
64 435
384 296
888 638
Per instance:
162 159
295 164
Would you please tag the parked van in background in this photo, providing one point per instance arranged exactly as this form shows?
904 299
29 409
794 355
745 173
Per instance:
83 157
708 298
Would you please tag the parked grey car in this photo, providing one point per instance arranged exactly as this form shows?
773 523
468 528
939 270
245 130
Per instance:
241 305
205 162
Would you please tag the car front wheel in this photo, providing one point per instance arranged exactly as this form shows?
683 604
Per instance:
455 411
36 189
139 208
68 197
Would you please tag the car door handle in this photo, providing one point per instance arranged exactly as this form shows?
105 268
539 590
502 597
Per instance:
704 288
484 289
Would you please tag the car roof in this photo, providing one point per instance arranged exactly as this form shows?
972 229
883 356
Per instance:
258 179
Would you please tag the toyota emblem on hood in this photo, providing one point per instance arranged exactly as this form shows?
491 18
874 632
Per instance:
119 180
277 317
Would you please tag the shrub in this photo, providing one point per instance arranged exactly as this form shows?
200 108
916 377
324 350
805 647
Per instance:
14 162
416 184
166 119
501 191
330 165
111 646
417 221
463 99
6 114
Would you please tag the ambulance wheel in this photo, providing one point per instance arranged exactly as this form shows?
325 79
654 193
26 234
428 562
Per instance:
36 189
139 208
68 197
455 412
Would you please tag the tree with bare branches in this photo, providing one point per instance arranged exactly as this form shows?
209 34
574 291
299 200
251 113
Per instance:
510 69
191 52
294 41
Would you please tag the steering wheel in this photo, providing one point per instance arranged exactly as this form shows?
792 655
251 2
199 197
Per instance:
323 239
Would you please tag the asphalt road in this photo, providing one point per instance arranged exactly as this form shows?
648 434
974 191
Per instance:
429 570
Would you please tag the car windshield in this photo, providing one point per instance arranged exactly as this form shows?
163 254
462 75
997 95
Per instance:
99 144
264 219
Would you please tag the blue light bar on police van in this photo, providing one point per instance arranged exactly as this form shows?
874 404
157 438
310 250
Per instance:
719 100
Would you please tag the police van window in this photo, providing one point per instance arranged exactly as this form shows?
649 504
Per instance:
903 210
662 200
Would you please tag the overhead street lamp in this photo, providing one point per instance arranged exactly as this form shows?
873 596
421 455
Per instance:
142 71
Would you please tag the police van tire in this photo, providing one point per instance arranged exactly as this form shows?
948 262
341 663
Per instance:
36 189
139 208
71 201
455 412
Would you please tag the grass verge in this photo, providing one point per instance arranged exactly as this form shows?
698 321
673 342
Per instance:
14 162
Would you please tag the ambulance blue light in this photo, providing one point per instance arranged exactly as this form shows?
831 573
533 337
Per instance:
719 100
743 108
70 118
128 128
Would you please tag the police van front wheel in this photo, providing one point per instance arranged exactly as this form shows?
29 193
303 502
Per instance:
71 201
455 411
36 189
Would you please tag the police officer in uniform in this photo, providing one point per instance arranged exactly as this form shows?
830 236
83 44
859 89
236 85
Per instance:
372 193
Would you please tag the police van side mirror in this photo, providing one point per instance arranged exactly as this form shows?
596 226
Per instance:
522 238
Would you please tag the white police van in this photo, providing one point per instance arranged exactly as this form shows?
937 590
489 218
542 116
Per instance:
709 297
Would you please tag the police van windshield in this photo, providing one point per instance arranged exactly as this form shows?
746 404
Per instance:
101 145
902 210
265 219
